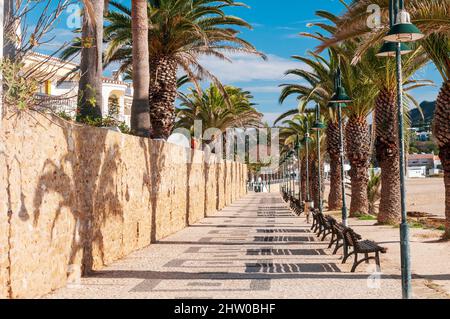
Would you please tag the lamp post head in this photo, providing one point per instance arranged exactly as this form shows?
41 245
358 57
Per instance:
389 49
403 30
318 126
307 139
340 96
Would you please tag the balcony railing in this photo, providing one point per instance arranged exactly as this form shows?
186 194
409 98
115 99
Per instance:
56 104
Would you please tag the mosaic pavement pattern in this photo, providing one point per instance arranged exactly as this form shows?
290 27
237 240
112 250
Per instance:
256 248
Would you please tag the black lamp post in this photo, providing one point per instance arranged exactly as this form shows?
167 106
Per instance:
306 140
318 126
291 177
339 100
401 31
308 202
299 168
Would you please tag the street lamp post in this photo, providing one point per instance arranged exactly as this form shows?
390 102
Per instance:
299 168
400 32
308 197
291 174
318 126
308 202
339 99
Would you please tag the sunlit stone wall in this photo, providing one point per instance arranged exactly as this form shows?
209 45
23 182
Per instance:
74 198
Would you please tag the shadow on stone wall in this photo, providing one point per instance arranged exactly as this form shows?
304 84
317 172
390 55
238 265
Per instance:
79 198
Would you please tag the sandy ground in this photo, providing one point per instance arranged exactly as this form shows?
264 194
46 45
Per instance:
257 248
425 195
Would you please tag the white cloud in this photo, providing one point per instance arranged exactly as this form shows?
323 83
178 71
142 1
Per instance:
247 68
263 89
271 117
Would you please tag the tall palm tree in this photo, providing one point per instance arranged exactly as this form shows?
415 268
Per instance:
215 110
140 113
357 80
319 88
432 18
91 65
180 33
386 124
296 129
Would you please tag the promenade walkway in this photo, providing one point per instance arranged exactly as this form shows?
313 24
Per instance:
255 248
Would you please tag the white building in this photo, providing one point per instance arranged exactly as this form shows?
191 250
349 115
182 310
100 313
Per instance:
417 172
62 95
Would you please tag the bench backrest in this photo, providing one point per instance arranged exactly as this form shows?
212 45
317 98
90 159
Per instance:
351 237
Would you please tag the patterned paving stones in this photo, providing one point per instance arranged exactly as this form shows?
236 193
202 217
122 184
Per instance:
253 249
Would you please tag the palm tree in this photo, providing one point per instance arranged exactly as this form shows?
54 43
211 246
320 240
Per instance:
215 110
180 33
9 47
293 130
374 192
432 18
140 113
319 89
91 65
386 125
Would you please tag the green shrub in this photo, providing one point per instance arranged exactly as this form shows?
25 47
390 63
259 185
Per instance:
19 90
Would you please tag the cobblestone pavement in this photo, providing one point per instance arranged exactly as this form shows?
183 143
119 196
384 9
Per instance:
255 248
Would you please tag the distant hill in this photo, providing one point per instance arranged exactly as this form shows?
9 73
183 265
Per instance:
428 109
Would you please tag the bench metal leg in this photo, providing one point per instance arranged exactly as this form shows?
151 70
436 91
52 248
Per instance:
320 231
314 224
325 234
347 255
332 240
338 246
357 263
316 227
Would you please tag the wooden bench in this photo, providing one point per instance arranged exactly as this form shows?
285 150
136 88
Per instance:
337 237
366 247
325 226
316 222
297 206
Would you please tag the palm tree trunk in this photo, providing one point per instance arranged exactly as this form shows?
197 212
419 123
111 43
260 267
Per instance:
388 156
333 142
335 195
9 48
315 184
441 130
303 186
140 112
163 92
91 65
358 152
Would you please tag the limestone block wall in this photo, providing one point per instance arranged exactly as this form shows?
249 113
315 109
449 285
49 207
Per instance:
212 172
228 183
221 185
74 199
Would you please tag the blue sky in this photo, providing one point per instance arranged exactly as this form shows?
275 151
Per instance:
276 28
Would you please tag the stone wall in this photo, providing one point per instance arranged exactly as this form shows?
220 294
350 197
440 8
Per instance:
74 199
